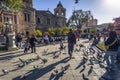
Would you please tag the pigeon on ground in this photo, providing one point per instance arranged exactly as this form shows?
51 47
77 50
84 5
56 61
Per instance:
83 68
84 77
43 60
91 62
20 65
35 67
5 71
22 61
90 70
81 45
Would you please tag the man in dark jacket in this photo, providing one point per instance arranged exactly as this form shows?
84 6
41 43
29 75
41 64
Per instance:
71 42
111 52
33 44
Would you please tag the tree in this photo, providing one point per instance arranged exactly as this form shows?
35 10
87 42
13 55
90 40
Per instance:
79 17
13 5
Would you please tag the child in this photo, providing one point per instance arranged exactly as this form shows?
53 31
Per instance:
26 46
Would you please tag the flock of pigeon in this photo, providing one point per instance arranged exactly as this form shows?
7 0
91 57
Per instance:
91 56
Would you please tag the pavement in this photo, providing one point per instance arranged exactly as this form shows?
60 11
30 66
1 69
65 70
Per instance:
54 65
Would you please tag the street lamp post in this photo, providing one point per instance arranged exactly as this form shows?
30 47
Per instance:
10 36
6 34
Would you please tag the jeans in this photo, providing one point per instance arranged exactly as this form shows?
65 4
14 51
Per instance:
118 54
110 57
70 48
33 49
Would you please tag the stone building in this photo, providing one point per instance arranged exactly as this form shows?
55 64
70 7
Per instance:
46 19
26 16
28 19
8 19
92 23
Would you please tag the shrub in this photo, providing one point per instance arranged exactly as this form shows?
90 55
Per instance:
38 33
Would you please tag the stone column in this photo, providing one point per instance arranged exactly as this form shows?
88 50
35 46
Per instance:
11 41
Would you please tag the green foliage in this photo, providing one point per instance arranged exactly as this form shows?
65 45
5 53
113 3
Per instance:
51 31
13 5
65 30
38 33
58 31
92 30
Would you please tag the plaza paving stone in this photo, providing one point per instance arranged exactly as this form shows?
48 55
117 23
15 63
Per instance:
55 61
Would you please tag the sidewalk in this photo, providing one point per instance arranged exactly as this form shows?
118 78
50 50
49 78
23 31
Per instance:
35 70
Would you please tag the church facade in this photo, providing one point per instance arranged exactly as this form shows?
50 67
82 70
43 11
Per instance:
28 19
46 19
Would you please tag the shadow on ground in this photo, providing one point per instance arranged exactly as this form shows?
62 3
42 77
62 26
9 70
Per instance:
37 73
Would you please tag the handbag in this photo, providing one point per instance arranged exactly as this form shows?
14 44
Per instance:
107 46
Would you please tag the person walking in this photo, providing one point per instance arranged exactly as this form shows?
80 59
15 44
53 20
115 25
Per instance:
111 52
71 42
33 44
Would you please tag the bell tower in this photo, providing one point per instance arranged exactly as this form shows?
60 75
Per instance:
28 3
60 10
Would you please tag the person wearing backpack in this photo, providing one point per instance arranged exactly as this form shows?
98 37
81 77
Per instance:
112 50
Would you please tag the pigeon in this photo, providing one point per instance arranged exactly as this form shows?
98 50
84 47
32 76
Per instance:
37 57
99 56
109 69
62 68
5 71
22 61
90 70
30 60
85 54
54 73
85 59
56 56
84 77
51 76
81 45
91 62
45 51
92 50
83 68
20 65
35 67
44 60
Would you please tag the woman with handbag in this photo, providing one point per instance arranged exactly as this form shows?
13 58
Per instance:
111 52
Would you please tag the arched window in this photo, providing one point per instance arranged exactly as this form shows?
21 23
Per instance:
38 20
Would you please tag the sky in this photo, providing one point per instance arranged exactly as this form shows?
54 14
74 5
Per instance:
103 10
